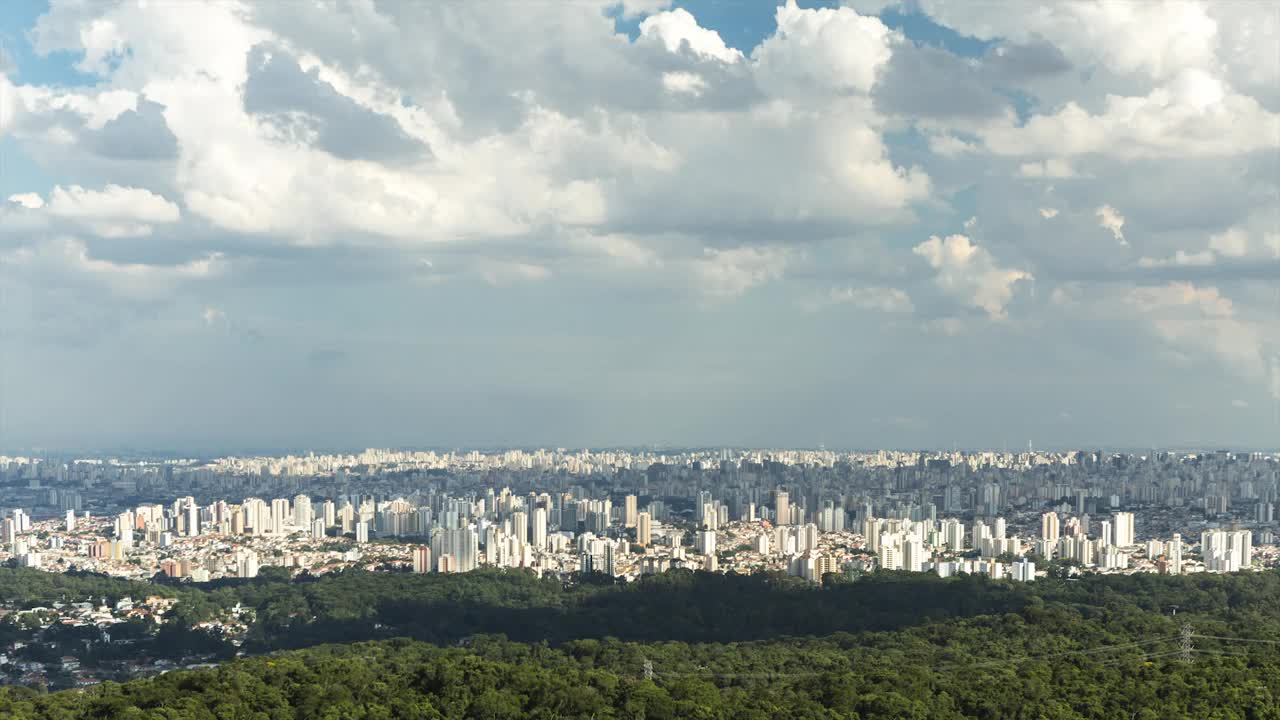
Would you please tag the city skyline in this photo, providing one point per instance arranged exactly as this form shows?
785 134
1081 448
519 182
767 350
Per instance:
869 223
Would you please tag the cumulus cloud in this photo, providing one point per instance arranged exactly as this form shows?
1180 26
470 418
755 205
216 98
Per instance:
30 201
499 273
677 31
729 273
66 261
212 315
970 274
686 83
638 8
1179 259
1050 168
875 299
114 211
1048 213
1155 39
1110 219
1194 115
1201 318
827 49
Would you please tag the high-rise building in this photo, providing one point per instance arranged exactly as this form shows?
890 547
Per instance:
782 508
1049 527
1122 525
644 529
362 532
890 553
302 513
1174 553
280 515
540 528
422 559
913 554
707 542
953 534
520 526
629 512
191 518
247 564
1226 550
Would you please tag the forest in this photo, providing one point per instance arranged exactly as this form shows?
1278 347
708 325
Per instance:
502 644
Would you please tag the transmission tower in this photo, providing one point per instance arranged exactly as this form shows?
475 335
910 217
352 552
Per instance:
1185 648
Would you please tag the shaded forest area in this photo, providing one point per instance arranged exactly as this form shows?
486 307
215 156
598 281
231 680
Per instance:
504 644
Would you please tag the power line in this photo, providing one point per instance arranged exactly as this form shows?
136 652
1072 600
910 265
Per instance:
1237 639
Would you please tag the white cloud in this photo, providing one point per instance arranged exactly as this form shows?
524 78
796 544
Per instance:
66 261
729 273
114 211
636 8
30 201
1050 168
1180 259
1239 404
1201 318
1155 39
212 315
1048 213
970 274
1194 115
950 146
1233 242
1110 219
827 49
500 273
683 83
678 29
877 299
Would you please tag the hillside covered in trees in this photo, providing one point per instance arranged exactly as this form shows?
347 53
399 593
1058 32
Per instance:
510 645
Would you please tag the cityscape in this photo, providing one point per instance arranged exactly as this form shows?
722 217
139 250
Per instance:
639 360
626 513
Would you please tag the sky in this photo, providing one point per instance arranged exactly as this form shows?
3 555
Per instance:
876 223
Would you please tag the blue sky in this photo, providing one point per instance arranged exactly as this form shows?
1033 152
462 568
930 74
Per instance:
882 224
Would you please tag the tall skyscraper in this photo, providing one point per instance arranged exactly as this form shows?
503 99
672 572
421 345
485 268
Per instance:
782 508
1226 550
1122 525
629 512
422 559
644 529
302 513
520 526
707 542
1049 527
540 528
193 518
